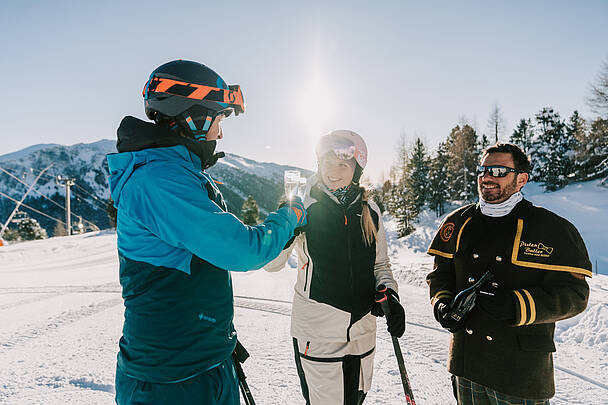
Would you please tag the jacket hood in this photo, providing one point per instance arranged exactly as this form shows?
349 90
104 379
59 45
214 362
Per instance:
135 134
141 142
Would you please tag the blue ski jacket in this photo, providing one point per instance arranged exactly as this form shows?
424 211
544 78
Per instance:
176 245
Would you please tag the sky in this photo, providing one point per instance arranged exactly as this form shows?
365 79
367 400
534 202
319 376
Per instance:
71 70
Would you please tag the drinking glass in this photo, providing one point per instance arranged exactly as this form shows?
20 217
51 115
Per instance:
292 180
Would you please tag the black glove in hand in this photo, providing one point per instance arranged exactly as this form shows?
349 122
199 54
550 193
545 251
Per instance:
497 303
396 317
377 309
441 310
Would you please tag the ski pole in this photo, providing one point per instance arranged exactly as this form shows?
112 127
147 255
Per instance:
405 381
239 355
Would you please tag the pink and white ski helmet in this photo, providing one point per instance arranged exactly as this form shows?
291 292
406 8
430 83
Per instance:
345 145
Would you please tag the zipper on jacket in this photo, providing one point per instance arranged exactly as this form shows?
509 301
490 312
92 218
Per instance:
305 250
350 273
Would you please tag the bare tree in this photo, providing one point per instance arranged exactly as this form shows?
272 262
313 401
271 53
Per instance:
598 99
496 122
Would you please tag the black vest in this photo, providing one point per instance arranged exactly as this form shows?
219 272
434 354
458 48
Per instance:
343 273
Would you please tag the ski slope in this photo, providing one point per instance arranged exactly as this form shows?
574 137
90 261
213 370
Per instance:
61 317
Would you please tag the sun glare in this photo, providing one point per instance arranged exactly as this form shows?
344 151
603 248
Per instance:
315 105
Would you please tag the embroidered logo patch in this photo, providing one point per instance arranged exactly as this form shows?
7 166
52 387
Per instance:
535 249
447 231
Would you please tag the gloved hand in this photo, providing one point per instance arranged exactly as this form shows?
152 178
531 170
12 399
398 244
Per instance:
497 303
441 310
297 206
396 314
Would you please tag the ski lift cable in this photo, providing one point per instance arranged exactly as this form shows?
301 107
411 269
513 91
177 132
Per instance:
78 194
97 204
47 198
24 183
33 209
80 187
87 192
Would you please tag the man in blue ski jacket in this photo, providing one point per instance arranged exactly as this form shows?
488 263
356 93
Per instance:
177 242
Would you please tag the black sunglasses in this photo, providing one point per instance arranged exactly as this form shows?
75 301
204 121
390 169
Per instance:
496 171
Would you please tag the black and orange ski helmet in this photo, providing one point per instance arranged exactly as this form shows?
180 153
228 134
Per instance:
191 95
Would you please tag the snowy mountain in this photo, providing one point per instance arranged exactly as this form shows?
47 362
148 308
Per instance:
20 153
86 163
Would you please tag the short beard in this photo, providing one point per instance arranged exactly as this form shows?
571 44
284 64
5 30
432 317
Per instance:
505 193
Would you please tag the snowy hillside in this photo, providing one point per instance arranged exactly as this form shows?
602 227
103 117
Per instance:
61 315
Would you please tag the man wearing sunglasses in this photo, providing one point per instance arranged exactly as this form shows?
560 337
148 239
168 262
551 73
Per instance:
502 349
177 242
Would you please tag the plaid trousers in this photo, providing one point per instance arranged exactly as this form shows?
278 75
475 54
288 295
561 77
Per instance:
469 393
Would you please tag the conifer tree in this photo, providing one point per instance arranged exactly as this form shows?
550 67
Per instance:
403 210
399 203
552 151
11 235
438 180
523 134
576 128
597 144
462 162
30 229
416 178
250 211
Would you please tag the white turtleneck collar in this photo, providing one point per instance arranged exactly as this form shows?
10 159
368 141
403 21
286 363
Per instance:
500 209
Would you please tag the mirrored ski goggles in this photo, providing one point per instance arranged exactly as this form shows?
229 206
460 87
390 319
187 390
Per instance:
232 96
496 171
343 150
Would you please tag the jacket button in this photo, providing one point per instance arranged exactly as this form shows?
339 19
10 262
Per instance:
475 256
489 338
471 280
469 331
498 259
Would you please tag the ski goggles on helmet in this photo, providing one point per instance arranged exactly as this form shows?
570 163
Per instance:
496 171
342 148
232 97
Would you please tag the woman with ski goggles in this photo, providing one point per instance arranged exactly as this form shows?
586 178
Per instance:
342 257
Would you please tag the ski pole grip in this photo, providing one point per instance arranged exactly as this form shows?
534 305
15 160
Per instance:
240 353
382 299
380 293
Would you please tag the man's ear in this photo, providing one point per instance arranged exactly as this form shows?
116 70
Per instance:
522 179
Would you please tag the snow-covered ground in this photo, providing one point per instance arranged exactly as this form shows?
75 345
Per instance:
61 317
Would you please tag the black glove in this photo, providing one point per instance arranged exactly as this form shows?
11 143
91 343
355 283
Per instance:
497 303
441 310
396 318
